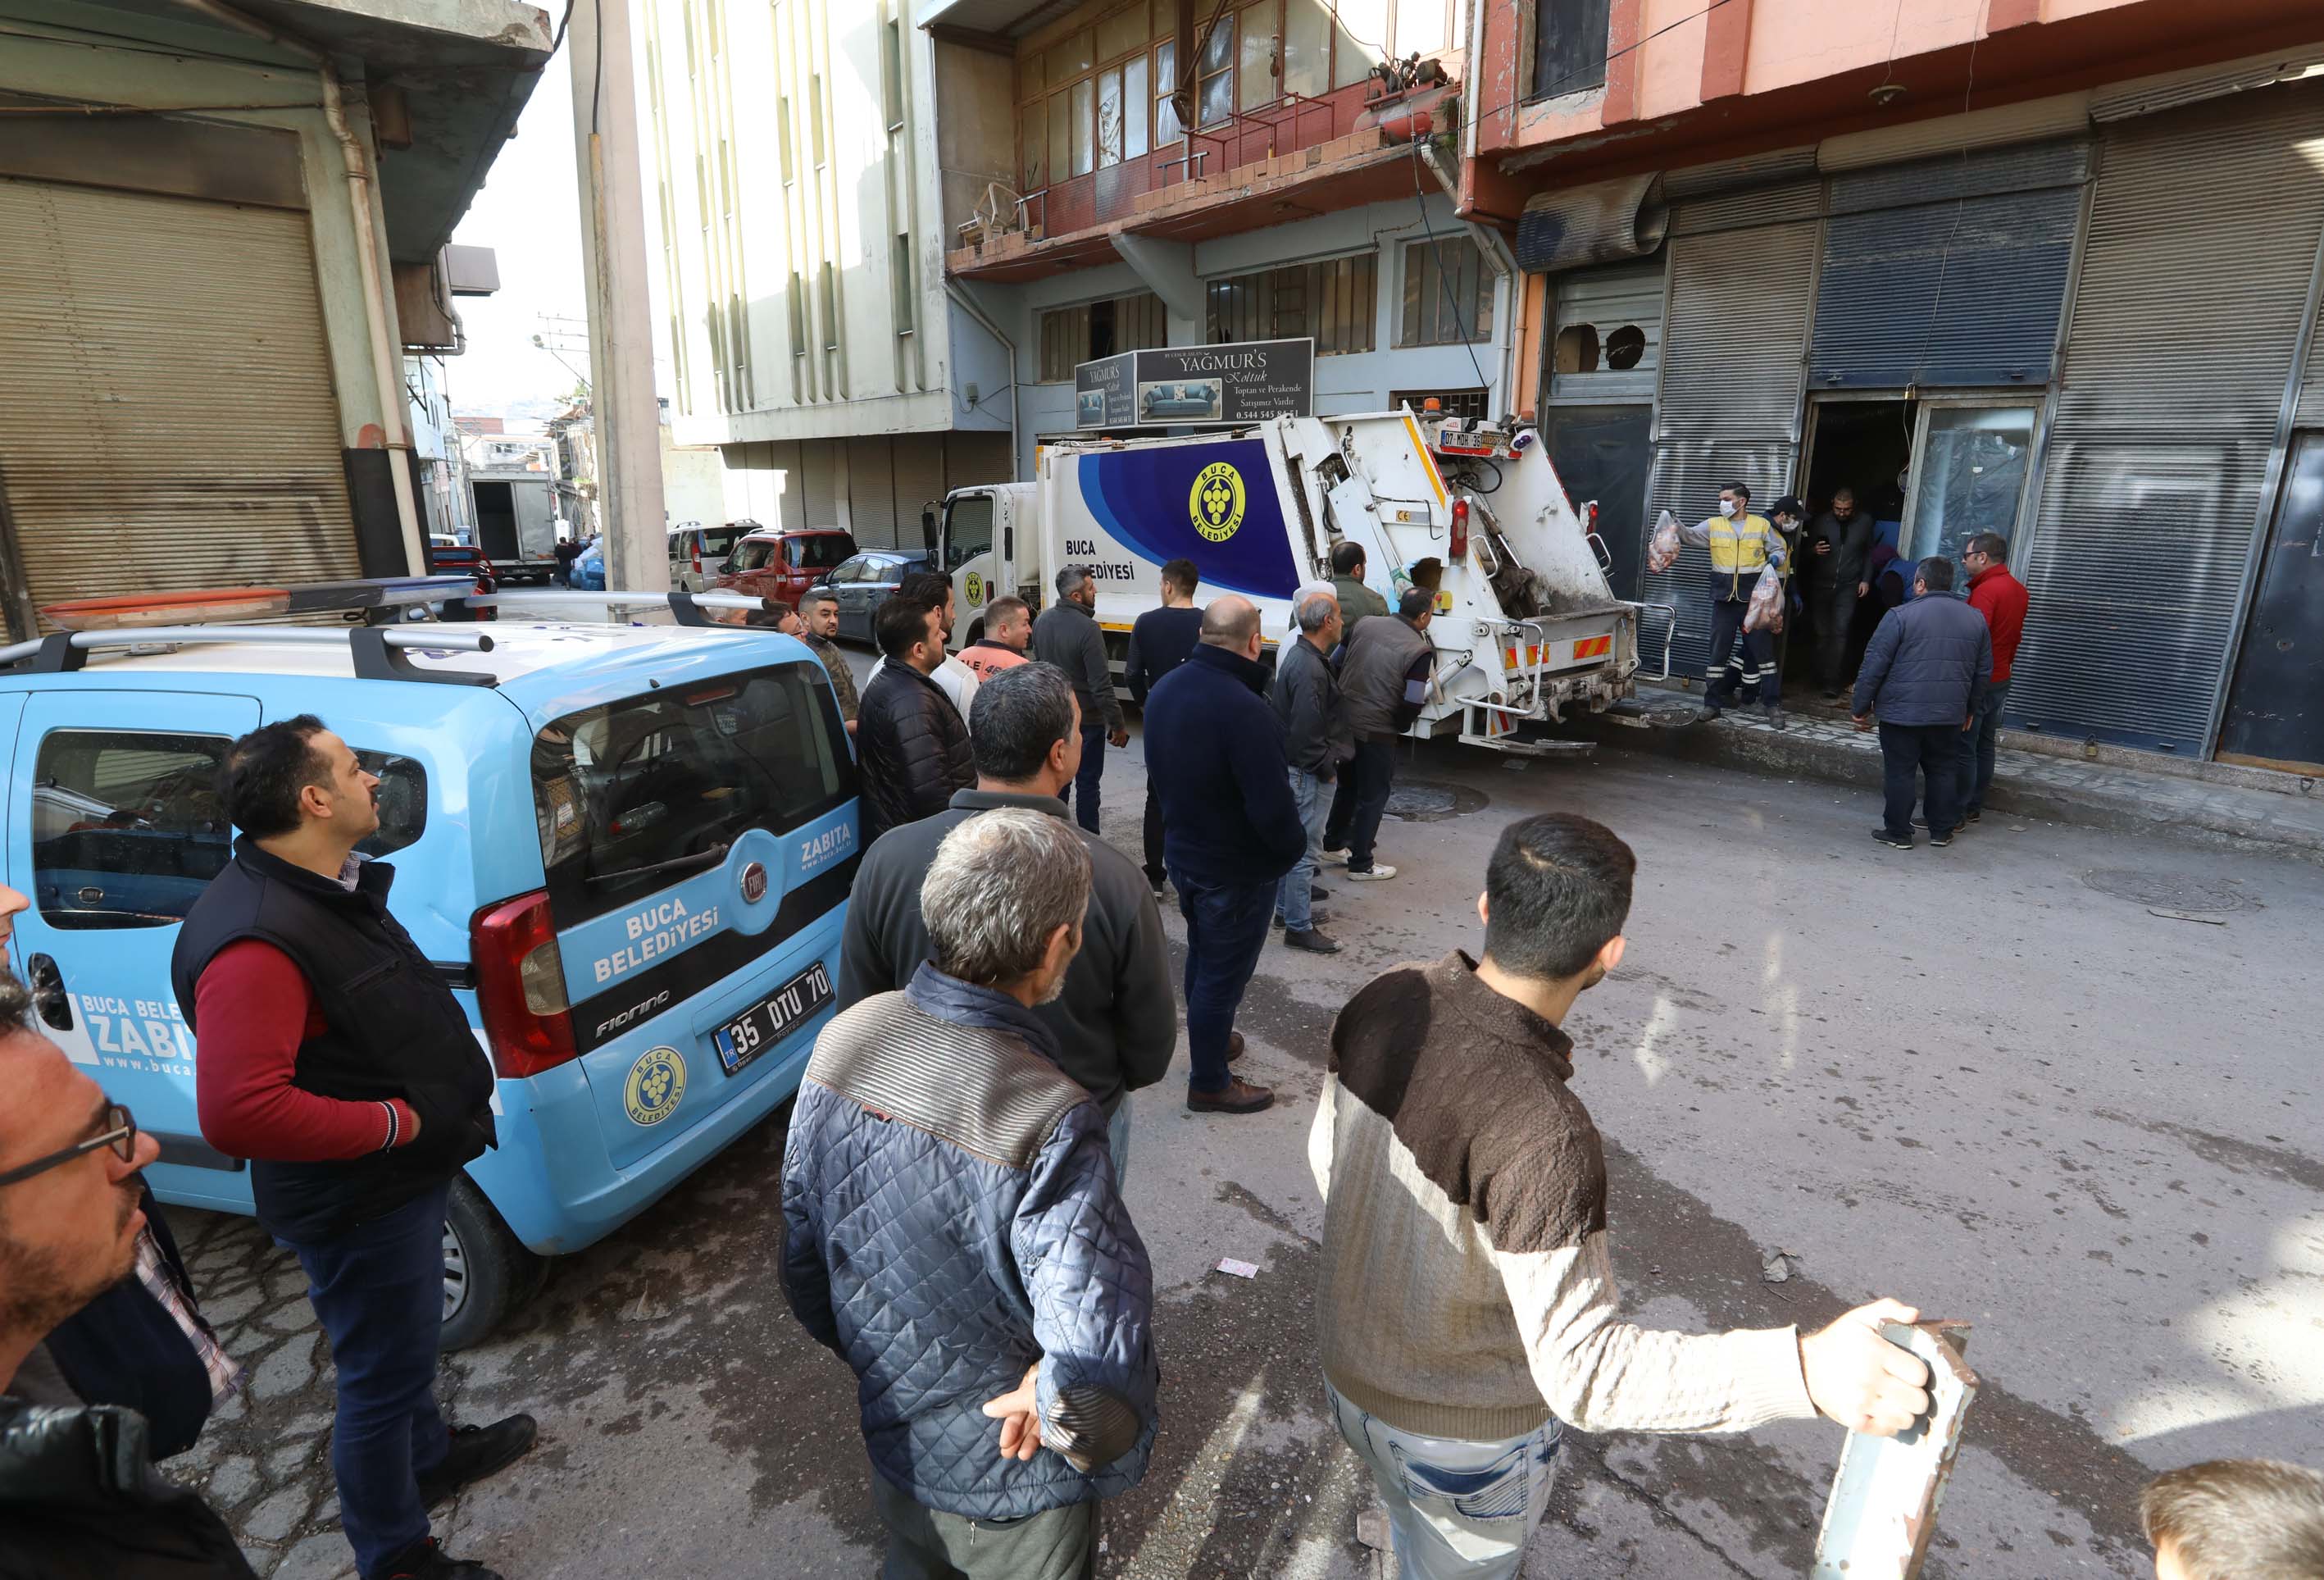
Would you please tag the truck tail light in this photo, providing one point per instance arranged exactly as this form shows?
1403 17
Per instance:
1460 529
520 987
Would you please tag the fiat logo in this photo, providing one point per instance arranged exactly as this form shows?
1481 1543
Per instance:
754 884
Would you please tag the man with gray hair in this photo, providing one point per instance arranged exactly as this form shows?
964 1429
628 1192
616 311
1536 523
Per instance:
1315 741
1066 635
953 1229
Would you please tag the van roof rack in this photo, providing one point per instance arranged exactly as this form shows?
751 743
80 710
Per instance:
686 608
379 651
374 600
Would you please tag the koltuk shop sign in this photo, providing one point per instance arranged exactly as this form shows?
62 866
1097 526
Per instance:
1169 386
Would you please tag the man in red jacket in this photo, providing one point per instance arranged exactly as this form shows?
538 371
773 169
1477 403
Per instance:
2001 598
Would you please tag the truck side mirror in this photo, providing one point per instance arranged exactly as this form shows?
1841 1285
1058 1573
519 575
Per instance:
928 530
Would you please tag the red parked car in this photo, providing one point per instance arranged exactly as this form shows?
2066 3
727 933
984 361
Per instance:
772 563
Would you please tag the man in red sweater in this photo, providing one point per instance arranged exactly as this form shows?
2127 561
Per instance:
2001 598
330 1053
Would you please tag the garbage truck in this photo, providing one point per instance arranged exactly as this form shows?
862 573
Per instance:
1527 630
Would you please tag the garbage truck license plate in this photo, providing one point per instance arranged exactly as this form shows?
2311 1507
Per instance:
751 1034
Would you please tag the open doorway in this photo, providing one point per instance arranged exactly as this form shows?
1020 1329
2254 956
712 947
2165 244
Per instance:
1864 447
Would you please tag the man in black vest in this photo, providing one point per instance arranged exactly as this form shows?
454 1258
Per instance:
330 1053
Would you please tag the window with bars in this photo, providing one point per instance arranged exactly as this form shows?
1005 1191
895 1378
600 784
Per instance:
1336 301
1464 402
1075 335
1448 293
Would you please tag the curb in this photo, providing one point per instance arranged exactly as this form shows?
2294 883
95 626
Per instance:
2025 784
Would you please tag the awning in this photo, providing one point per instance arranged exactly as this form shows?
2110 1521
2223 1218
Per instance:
1604 222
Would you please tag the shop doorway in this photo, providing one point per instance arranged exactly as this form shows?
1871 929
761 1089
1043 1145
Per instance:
1601 453
1863 446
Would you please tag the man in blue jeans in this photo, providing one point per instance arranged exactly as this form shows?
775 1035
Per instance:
1307 699
1231 830
1924 673
330 1054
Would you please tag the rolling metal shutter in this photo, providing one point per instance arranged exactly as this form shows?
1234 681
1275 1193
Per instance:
1734 340
871 491
1607 300
919 482
819 486
167 417
1948 272
2176 367
2311 412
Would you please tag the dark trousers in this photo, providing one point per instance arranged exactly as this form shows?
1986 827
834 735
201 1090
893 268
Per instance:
1976 749
923 1544
1832 610
1083 798
1757 673
1909 753
1154 871
1358 799
1226 928
378 1290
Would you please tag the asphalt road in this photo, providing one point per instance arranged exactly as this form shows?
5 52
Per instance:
1980 1079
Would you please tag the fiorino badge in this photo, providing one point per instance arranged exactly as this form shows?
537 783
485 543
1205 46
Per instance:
657 1081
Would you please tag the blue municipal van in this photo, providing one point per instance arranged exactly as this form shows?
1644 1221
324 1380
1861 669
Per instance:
628 850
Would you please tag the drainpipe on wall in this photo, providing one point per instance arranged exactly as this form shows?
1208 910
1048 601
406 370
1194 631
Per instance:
386 362
1495 248
962 300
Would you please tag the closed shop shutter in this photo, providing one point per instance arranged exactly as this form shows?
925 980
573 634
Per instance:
2311 380
2175 373
1608 334
919 482
871 491
971 458
790 483
166 406
1948 272
1732 349
818 472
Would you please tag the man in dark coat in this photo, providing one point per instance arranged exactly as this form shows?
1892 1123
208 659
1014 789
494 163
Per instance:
1384 678
911 745
1231 830
1835 562
1117 1019
1924 675
1160 640
1316 741
1067 636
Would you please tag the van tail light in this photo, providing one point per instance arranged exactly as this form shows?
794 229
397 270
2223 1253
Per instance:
520 987
1460 529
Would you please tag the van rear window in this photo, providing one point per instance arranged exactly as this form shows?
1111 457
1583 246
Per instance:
632 796
822 552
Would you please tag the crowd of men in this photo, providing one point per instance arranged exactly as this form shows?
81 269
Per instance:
958 1225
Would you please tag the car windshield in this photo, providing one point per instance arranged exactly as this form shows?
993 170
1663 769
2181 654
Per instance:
821 551
627 793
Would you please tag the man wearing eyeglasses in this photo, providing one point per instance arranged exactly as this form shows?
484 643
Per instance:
330 1053
79 1493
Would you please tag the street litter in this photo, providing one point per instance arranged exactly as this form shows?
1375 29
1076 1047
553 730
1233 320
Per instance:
1779 1268
1241 1269
1885 1495
2187 916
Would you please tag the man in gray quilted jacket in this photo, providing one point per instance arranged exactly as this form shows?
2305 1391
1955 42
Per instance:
952 1229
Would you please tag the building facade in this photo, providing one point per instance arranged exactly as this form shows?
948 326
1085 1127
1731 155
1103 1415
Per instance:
204 307
794 174
2049 268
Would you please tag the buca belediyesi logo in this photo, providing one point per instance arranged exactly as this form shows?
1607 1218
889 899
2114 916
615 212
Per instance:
1216 500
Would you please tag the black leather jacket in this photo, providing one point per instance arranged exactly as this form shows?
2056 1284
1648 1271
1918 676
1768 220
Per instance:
79 1500
911 750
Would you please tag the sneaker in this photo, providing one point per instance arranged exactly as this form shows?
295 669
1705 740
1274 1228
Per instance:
1237 1096
1775 717
1892 841
1338 858
477 1453
1312 941
1942 840
1974 815
1922 821
1704 715
1160 890
1234 1046
427 1562
1379 872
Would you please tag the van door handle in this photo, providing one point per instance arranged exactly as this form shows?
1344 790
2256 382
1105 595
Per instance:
49 994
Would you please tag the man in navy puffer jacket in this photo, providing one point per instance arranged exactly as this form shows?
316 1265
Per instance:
1927 665
953 1229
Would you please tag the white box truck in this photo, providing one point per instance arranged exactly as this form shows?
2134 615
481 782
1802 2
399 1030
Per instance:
1527 628
516 523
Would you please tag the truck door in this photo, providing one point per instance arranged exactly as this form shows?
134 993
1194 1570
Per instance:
117 828
977 551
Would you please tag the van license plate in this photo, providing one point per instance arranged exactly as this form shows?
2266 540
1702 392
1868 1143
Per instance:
751 1034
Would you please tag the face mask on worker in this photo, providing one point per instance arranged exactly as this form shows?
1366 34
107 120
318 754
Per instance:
1726 508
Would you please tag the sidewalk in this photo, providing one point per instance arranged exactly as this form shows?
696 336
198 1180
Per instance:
2035 776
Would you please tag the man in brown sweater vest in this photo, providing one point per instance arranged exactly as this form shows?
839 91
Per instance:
1469 1312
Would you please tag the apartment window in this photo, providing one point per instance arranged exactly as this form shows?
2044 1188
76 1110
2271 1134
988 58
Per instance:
1084 148
1109 117
1463 402
1167 129
783 136
901 273
1073 334
1569 46
891 76
1448 297
1336 301
1214 86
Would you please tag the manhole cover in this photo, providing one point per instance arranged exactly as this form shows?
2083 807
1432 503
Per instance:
1432 801
2171 890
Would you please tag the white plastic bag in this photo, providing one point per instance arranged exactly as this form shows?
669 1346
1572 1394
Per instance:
1766 610
1662 548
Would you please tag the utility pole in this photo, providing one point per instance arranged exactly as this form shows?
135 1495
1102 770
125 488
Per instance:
622 403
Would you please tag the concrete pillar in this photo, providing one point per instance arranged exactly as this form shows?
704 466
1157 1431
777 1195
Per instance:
627 419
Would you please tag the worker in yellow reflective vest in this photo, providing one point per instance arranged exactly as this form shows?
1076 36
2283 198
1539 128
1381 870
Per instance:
1741 545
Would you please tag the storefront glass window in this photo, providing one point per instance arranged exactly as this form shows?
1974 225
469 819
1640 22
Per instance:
1970 477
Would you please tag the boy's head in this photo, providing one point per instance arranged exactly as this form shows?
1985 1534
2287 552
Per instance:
2236 1520
1556 894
